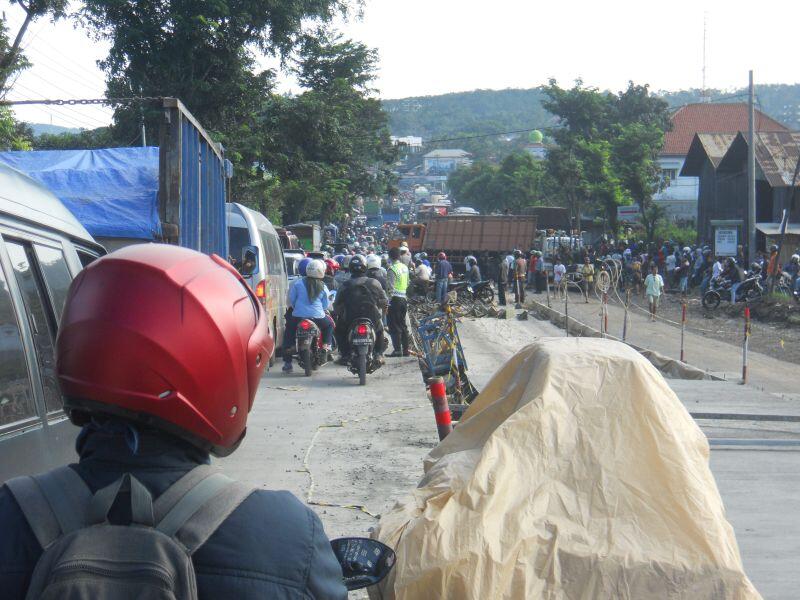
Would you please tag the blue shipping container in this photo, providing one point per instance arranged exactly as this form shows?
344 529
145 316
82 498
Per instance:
192 183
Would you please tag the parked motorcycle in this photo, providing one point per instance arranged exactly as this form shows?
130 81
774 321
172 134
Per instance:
361 337
718 289
483 290
310 354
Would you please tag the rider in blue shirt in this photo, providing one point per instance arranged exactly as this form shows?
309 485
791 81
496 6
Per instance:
308 299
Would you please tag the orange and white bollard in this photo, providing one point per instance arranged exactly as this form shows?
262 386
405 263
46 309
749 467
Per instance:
441 409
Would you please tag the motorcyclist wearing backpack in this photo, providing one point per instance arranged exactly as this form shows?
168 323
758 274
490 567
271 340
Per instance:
360 296
159 356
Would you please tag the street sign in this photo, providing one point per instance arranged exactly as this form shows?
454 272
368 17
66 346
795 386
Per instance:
726 240
628 214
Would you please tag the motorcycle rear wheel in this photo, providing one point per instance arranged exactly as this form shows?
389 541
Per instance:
711 299
305 357
362 365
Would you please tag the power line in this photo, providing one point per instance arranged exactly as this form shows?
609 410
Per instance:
482 135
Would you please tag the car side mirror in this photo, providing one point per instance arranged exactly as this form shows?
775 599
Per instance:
249 261
364 562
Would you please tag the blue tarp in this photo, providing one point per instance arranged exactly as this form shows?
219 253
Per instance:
113 192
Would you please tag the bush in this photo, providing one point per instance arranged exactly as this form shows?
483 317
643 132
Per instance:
683 235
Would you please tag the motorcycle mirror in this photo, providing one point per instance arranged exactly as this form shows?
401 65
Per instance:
364 562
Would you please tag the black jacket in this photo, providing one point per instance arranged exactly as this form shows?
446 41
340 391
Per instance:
271 546
348 305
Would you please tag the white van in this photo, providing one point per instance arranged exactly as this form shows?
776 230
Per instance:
42 248
254 248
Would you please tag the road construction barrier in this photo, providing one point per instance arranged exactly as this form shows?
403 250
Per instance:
441 409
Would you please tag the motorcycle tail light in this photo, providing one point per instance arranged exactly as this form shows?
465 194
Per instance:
305 325
361 329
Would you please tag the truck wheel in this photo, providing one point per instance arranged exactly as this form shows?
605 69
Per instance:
305 357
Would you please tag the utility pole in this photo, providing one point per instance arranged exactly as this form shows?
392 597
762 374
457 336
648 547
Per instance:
751 178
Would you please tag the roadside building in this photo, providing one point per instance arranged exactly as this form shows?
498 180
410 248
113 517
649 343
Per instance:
720 164
444 161
679 195
410 143
537 150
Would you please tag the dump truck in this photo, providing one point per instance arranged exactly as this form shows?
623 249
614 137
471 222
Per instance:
174 193
461 235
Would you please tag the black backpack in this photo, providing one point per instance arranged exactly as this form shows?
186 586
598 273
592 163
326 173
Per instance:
86 557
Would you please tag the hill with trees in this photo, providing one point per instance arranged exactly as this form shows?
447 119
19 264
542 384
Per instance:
487 111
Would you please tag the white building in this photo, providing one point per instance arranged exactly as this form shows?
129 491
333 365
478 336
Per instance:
679 196
444 161
411 142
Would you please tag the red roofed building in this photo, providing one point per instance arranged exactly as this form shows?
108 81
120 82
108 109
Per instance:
679 198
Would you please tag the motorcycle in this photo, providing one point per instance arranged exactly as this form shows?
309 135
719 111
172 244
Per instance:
750 290
310 353
483 290
361 337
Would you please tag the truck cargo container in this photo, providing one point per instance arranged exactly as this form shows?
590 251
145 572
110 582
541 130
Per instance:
174 193
308 235
461 235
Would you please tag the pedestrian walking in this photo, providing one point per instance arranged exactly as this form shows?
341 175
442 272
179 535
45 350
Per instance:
654 287
559 277
397 282
587 270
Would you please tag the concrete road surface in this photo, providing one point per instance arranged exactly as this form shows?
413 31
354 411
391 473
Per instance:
351 451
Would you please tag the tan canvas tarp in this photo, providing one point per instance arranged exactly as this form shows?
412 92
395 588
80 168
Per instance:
576 474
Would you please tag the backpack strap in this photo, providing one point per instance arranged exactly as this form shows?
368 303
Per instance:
171 496
54 503
196 515
141 501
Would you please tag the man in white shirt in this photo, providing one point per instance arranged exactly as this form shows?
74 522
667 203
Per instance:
559 270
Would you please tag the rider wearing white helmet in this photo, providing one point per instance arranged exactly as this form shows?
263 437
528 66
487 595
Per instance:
375 270
308 299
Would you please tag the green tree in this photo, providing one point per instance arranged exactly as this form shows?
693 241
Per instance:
518 181
12 57
201 52
13 134
607 149
330 144
102 137
636 149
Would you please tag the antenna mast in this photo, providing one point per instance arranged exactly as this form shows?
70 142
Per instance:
704 94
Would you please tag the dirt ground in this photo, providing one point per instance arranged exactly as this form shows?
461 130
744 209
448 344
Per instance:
779 340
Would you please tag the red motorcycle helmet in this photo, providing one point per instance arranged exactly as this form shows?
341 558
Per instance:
164 336
331 266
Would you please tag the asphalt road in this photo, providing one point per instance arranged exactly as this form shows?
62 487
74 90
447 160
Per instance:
352 451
